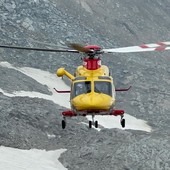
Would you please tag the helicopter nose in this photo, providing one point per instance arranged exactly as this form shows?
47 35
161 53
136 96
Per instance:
93 101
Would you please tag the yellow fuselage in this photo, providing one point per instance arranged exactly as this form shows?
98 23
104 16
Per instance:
92 101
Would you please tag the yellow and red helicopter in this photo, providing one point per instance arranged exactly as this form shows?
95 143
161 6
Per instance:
92 88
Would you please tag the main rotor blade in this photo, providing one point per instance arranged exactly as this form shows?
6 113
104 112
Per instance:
38 49
162 46
78 47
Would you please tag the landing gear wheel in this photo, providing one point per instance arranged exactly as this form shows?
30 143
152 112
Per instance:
122 123
96 124
63 123
90 124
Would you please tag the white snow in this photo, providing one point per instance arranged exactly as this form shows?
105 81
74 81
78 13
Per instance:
45 78
34 159
51 80
114 122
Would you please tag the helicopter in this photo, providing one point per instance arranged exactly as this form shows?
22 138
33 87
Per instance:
92 87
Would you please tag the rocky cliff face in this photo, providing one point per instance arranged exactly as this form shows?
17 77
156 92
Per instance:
29 122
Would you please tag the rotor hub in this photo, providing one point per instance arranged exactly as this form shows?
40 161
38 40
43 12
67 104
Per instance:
93 50
93 47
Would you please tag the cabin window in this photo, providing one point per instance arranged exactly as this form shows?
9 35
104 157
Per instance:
81 88
103 87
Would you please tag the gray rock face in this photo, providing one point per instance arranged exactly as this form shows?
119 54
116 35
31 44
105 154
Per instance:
35 123
13 80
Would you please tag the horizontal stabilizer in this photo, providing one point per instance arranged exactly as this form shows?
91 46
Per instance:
62 91
123 89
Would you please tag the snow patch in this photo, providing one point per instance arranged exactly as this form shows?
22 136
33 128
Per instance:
114 122
34 159
45 78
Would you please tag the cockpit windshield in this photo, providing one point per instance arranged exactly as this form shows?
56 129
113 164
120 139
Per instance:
84 87
103 87
81 88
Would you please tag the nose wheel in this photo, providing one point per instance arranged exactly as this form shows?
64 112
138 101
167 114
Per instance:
93 123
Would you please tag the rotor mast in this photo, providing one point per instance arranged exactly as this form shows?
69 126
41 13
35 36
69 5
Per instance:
91 61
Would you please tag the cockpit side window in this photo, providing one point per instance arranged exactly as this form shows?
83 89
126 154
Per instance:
103 87
81 88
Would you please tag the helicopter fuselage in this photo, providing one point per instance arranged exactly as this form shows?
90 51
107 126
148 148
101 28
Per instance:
92 91
92 88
